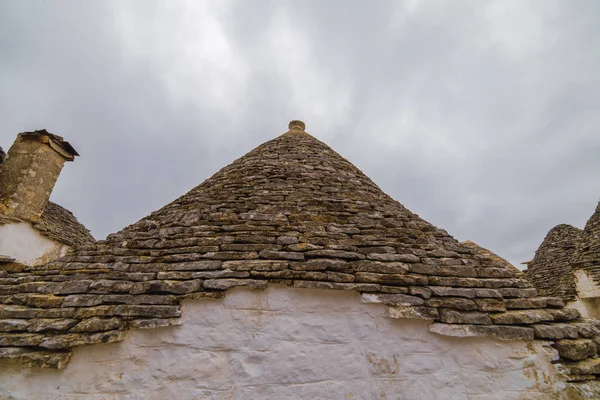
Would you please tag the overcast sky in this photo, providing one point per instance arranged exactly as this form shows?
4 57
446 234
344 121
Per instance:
483 117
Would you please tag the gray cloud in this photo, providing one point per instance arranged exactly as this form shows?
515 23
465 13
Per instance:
482 117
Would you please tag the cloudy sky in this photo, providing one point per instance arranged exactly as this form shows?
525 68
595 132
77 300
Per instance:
481 116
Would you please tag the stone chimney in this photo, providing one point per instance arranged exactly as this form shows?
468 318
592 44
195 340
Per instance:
29 172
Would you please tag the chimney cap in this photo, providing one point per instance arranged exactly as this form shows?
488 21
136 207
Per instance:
66 146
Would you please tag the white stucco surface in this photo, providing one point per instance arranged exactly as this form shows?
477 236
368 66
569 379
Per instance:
27 245
285 343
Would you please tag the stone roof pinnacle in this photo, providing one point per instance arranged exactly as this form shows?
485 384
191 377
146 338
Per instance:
296 125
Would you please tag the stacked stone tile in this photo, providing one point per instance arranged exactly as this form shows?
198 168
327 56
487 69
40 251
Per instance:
550 270
290 212
60 224
488 258
587 254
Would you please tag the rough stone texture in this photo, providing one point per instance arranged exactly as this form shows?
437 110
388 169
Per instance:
238 228
272 345
587 255
550 270
576 349
60 224
490 259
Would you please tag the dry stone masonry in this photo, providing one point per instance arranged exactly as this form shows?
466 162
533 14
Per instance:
567 265
293 214
550 270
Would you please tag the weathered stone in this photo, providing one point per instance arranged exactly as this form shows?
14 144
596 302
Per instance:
98 311
456 282
96 324
379 267
51 324
394 289
287 240
358 287
248 247
391 279
282 255
591 366
443 270
44 300
202 265
257 265
499 332
232 255
420 291
224 284
413 312
495 273
321 264
586 329
377 249
554 302
154 323
510 283
126 310
309 275
576 349
13 352
517 292
303 247
564 314
339 277
407 258
452 292
452 302
13 325
82 300
555 331
108 286
490 305
67 312
43 359
396 300
20 339
17 312
517 317
69 287
463 317
532 302
487 293
186 275
328 253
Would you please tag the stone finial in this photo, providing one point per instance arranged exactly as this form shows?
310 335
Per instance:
296 125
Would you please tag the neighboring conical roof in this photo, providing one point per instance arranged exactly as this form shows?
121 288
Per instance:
587 255
550 270
292 212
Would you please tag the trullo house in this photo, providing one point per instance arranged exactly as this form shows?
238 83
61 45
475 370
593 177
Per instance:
288 274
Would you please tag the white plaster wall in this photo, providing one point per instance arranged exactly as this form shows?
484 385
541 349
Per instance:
586 287
27 245
286 343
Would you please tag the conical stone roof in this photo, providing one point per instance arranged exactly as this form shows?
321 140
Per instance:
290 212
550 270
587 255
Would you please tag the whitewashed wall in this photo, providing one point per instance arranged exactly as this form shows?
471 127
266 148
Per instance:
27 245
286 343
